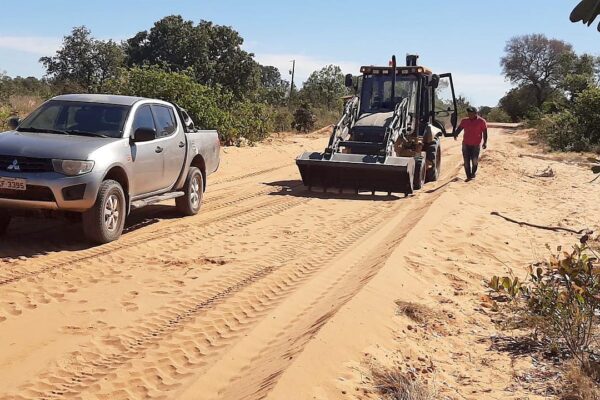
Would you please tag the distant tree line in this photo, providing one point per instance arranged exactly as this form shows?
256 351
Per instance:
202 67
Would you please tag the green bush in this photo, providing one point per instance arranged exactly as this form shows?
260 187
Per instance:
282 120
210 108
497 114
252 121
304 118
5 113
577 128
561 299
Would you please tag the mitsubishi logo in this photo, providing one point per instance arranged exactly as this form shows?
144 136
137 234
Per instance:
14 166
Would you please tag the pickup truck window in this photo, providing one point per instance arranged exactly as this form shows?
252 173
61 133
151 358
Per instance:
165 120
77 118
143 119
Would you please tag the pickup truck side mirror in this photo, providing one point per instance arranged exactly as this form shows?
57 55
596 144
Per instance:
13 123
143 135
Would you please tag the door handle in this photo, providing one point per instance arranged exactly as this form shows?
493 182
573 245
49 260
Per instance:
181 144
158 149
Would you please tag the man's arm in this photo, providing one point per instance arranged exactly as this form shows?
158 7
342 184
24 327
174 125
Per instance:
458 131
485 137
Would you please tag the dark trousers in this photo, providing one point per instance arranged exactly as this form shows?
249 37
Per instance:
471 158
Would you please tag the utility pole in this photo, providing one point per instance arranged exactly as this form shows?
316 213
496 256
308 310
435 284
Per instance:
292 85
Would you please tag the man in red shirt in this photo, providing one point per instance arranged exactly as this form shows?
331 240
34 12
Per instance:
475 129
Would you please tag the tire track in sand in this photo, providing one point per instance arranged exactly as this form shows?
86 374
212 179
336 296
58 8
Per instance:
207 339
259 295
166 230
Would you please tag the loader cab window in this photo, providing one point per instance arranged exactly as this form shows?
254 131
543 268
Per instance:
377 93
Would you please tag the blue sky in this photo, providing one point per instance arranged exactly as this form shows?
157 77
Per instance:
465 37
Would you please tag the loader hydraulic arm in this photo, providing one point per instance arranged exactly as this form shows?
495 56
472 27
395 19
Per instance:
398 127
342 128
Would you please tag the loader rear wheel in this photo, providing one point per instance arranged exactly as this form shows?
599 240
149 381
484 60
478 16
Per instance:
420 171
434 161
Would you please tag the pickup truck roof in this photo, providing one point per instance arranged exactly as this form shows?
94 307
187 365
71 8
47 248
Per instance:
101 98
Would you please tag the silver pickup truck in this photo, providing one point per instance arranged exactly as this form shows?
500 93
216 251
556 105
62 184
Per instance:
102 156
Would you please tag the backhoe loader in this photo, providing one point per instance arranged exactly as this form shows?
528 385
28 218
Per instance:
388 138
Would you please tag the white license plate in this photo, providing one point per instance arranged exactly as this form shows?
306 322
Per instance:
13 183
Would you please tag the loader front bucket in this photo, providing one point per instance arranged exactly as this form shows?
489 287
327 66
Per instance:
357 172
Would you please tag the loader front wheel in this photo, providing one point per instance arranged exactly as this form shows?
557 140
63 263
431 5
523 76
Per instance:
434 163
420 171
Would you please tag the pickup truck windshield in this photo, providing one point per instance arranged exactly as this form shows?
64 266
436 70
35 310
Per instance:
77 118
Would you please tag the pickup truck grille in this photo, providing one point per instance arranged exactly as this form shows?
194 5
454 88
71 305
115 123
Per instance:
33 193
25 164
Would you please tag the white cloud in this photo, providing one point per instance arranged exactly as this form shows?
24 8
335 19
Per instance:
481 89
31 44
305 65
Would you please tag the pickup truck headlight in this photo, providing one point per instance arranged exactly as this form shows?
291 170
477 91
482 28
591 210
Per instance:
72 167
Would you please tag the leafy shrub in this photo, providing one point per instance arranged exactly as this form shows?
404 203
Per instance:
282 120
252 121
497 114
575 129
304 118
562 299
5 113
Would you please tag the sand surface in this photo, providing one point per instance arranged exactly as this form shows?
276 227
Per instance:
276 292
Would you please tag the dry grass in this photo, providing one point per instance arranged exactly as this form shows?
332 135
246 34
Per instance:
579 386
416 312
23 105
394 384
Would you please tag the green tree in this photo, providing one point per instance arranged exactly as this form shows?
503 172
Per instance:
537 62
325 88
273 88
518 102
213 52
581 74
84 61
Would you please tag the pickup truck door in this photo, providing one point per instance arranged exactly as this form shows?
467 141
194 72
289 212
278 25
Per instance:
172 140
147 160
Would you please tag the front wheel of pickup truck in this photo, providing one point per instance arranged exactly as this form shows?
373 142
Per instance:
190 202
4 221
104 222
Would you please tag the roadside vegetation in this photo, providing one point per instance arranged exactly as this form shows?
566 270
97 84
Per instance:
557 309
557 91
200 66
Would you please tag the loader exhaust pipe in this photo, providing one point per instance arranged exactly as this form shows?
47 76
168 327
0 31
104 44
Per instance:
393 82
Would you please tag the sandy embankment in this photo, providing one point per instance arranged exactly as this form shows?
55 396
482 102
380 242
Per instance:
274 291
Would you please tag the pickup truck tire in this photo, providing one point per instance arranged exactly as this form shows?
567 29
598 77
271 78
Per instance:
190 203
104 222
4 221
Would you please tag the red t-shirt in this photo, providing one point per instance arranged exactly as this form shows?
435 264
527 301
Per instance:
473 130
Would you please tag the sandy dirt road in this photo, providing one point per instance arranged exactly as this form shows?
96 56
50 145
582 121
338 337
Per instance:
273 291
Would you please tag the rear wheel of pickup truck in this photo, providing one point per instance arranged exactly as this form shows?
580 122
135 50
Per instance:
104 222
4 221
189 204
